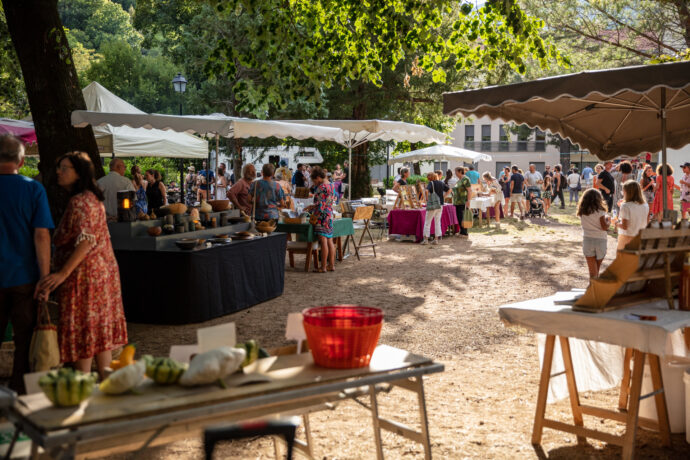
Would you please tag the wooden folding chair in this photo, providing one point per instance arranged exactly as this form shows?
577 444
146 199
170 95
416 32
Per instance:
365 214
310 248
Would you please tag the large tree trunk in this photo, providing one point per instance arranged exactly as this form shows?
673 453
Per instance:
52 87
359 169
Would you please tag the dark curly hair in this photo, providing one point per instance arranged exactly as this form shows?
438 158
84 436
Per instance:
83 167
590 202
316 171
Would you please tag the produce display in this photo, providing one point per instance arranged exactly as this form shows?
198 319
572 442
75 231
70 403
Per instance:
213 365
67 387
126 357
252 350
164 371
125 378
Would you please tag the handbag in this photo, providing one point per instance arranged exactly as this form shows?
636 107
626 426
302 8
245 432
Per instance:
434 202
467 218
579 185
44 352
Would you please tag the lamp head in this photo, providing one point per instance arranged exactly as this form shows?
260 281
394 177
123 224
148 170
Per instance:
179 83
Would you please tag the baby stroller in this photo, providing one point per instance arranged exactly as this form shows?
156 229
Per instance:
536 204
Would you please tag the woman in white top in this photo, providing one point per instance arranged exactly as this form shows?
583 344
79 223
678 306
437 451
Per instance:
221 186
634 211
494 188
595 223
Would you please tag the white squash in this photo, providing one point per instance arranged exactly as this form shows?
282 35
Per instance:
124 379
208 367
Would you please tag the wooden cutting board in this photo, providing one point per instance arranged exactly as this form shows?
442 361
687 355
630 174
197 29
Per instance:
282 372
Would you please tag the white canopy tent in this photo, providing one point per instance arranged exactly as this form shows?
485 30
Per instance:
125 141
214 124
357 132
440 153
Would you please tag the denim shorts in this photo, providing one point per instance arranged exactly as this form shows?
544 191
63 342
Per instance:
594 247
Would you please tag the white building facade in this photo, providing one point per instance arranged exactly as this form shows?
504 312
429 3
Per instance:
505 147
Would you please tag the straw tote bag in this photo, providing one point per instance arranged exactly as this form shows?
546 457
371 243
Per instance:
44 352
467 218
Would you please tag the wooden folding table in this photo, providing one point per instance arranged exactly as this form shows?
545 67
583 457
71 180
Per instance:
103 424
642 341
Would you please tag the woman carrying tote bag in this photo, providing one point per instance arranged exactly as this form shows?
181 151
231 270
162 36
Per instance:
434 207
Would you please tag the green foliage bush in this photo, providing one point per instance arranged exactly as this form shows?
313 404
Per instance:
412 180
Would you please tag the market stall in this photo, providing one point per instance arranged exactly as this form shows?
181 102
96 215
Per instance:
411 221
103 425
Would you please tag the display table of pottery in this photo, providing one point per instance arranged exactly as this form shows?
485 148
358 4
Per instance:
195 275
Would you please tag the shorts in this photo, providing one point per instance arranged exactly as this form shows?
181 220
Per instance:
594 247
516 197
685 206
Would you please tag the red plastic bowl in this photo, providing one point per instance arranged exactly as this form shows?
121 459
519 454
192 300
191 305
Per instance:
343 316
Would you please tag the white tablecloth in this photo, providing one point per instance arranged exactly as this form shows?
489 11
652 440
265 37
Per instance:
597 341
483 202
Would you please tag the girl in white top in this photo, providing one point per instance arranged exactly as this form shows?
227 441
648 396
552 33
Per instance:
494 188
634 212
595 223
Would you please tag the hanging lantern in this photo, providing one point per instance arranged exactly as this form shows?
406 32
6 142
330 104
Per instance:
126 211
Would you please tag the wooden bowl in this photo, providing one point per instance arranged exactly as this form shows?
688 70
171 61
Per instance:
219 205
187 243
154 231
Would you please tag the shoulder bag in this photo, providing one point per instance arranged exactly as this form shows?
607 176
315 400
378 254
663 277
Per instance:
434 202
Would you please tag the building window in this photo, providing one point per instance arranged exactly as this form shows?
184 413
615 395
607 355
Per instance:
540 140
486 133
503 133
469 133
441 166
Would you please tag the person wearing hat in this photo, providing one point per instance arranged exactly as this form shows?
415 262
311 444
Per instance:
190 182
284 171
685 190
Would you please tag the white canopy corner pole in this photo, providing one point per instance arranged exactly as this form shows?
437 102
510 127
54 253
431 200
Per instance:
349 172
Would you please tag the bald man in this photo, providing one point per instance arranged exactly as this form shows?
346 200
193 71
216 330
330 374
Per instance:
112 183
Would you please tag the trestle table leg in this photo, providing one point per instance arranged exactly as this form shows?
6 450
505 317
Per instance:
424 421
660 399
625 382
572 386
543 390
633 405
377 426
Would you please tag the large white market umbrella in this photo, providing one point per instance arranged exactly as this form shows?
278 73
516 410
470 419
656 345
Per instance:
357 132
440 152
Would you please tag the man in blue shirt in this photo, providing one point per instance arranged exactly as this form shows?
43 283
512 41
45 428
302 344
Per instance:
587 174
24 252
206 179
472 175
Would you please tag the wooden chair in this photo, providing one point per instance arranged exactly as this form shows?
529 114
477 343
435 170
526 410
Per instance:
365 214
310 248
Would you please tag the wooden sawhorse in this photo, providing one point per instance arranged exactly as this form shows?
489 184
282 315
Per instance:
629 401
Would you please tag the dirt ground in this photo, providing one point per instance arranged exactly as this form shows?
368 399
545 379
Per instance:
441 302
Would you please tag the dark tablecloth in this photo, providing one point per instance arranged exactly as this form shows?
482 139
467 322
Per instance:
180 287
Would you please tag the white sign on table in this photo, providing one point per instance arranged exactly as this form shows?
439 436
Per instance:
210 338
294 330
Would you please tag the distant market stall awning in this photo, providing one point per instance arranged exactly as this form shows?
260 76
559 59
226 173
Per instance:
440 153
357 132
24 130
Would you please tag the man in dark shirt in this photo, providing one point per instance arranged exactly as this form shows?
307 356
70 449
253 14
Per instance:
517 182
606 184
299 176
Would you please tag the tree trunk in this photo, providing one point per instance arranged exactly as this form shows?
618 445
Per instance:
52 88
359 169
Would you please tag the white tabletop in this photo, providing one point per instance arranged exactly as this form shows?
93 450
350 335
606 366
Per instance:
483 202
662 337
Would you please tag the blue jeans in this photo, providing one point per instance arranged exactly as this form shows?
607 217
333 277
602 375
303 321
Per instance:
573 193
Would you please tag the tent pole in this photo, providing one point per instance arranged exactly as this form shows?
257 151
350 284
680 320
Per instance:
349 175
664 186
388 167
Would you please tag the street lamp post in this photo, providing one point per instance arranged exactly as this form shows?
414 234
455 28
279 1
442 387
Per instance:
180 86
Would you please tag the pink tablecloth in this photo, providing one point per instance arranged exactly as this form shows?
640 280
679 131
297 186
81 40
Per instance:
411 221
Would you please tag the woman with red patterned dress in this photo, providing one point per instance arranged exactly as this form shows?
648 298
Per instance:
92 319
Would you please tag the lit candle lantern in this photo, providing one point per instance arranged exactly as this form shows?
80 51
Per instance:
125 211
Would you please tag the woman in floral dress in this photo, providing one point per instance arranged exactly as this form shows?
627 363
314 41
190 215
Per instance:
658 204
92 319
322 209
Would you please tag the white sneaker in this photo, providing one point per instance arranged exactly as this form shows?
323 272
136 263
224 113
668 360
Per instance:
424 241
435 241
